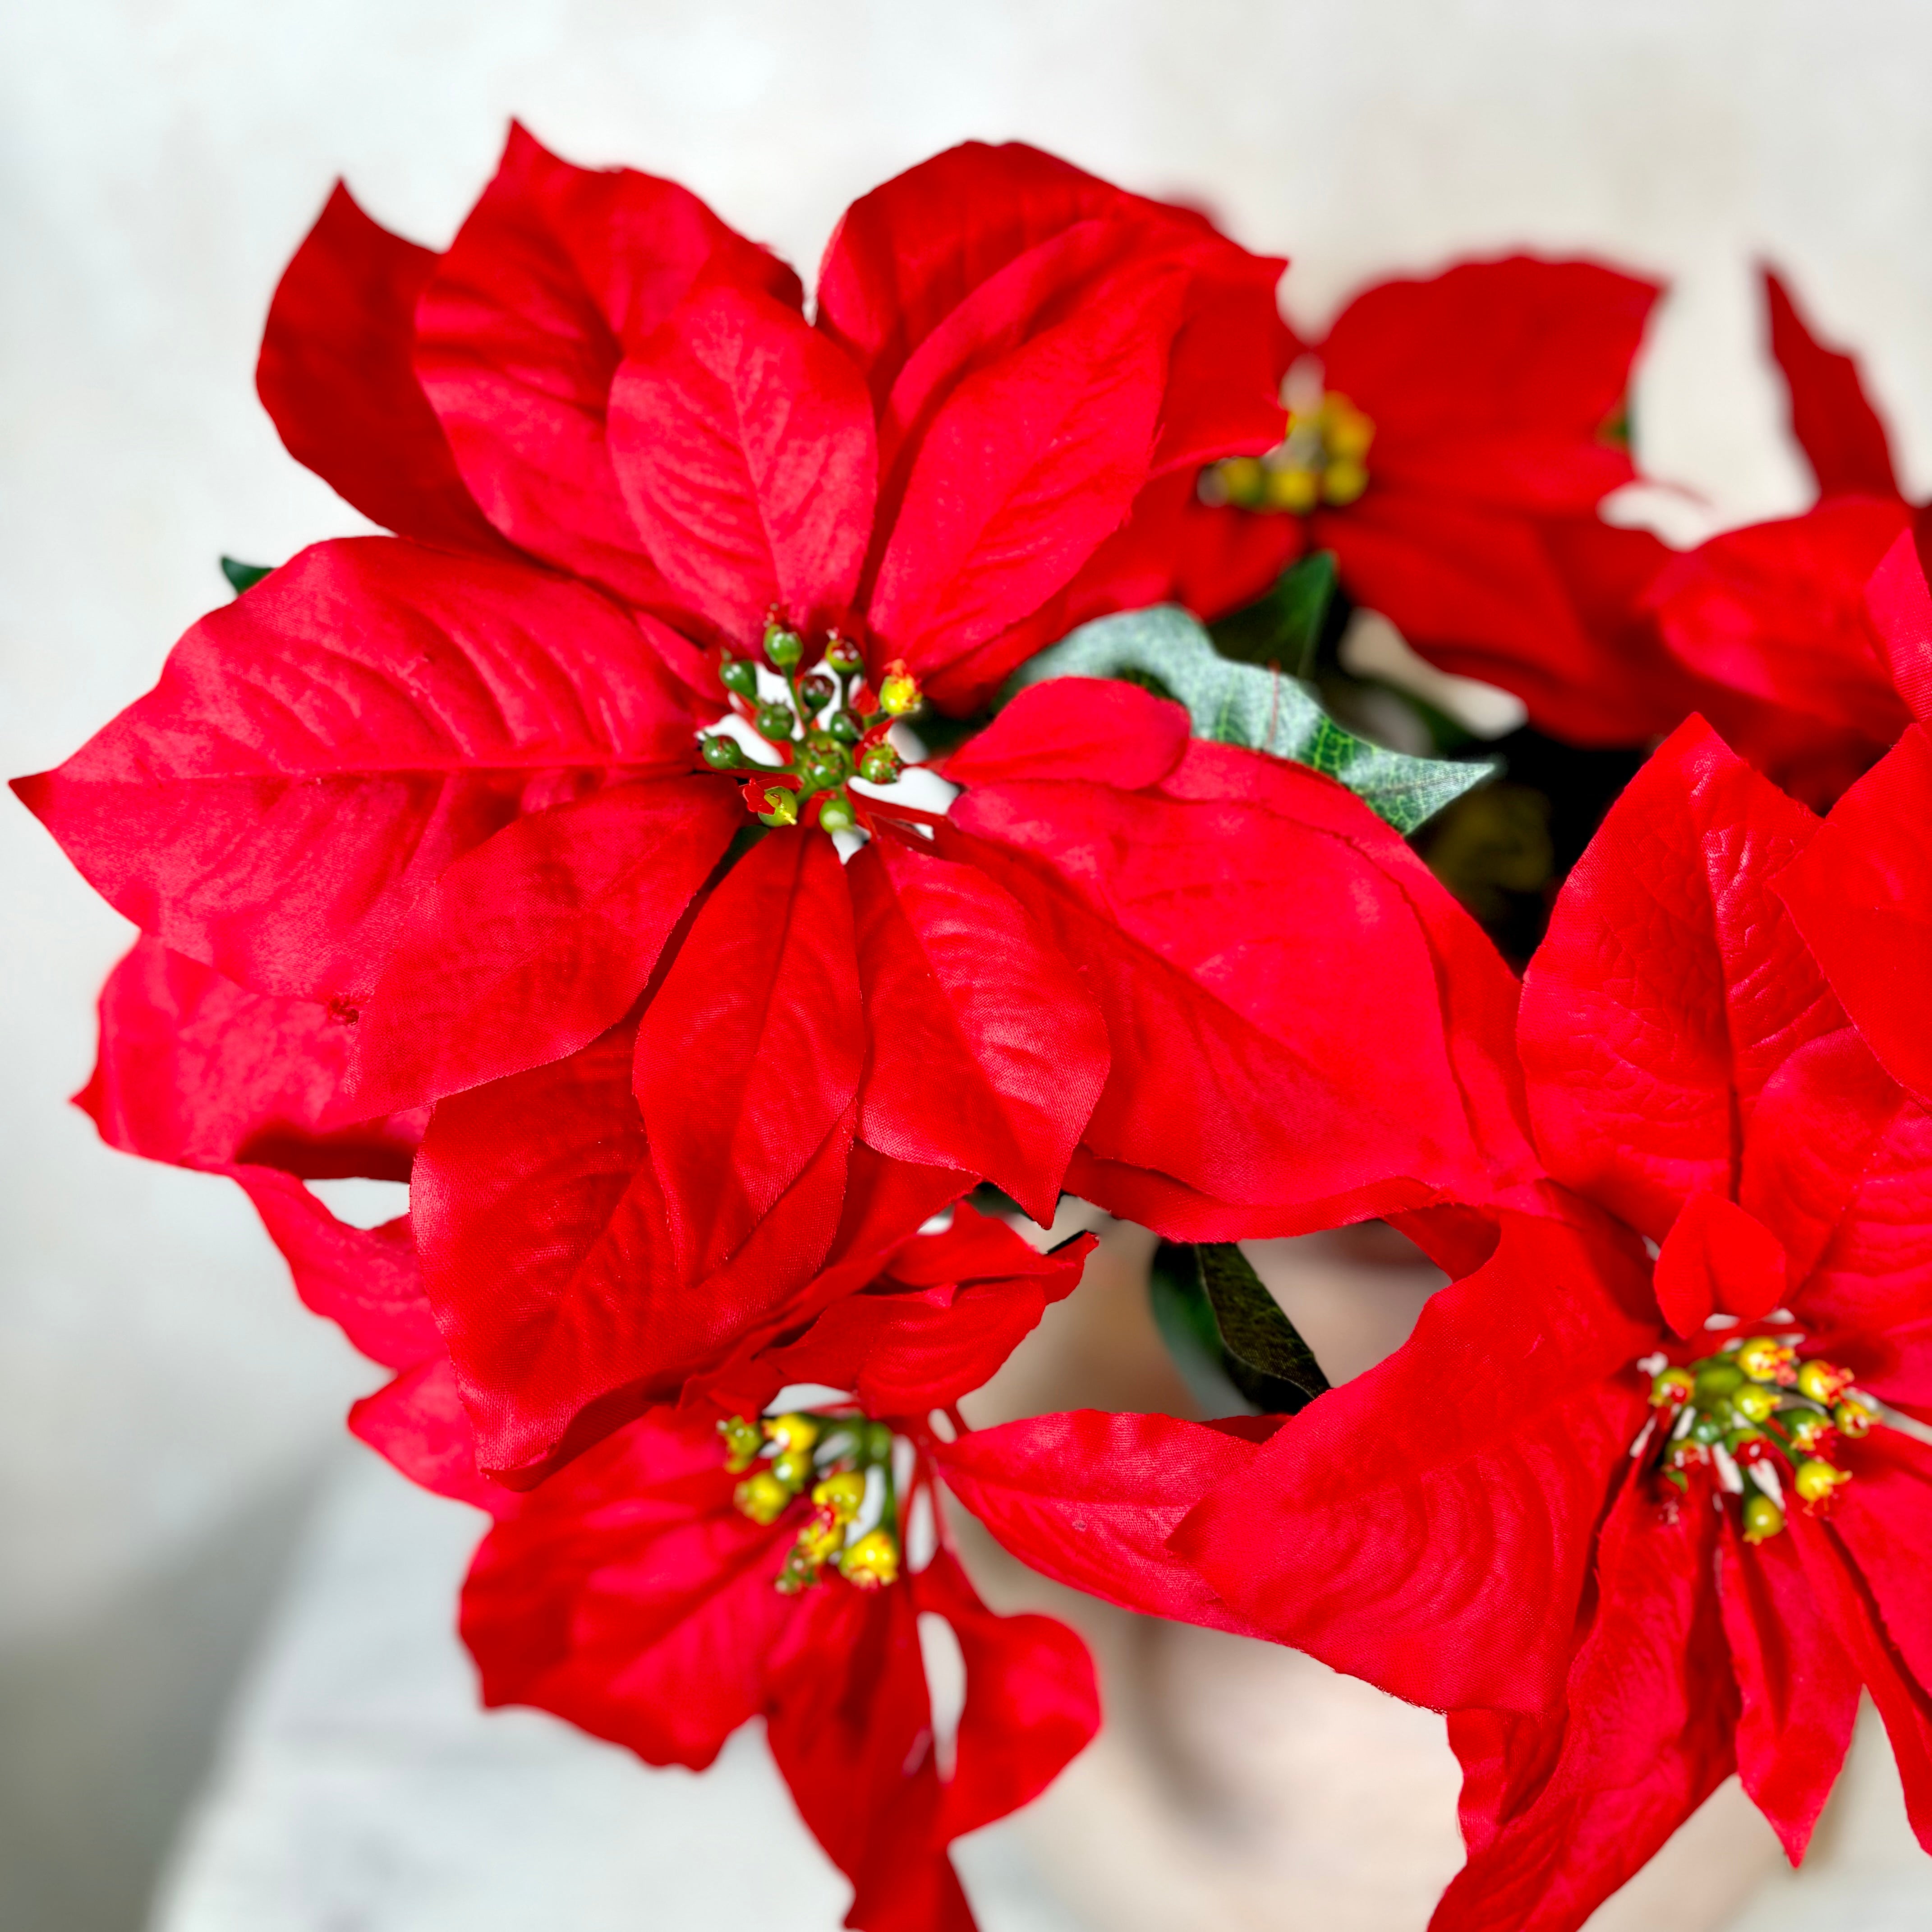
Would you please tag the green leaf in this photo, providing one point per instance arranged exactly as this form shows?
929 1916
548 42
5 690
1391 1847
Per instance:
1282 630
1235 1347
1261 708
244 576
1266 1359
1186 1325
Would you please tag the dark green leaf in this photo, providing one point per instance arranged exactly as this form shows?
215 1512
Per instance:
1260 708
1187 1325
1266 1359
244 576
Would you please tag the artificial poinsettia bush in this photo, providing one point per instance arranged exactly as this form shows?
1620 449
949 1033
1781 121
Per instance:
769 820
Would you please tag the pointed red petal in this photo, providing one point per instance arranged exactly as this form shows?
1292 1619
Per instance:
1799 1690
335 375
1839 432
744 445
1717 1259
197 1070
317 753
1515 344
1031 1702
1776 611
1103 729
417 1424
628 1597
1903 1700
1090 1500
1898 605
1439 1548
988 1053
751 1049
556 271
533 944
1651 1713
1027 465
1859 896
1668 988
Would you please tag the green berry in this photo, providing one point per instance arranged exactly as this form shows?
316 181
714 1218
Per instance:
725 754
847 727
836 814
879 764
741 675
774 721
783 647
816 692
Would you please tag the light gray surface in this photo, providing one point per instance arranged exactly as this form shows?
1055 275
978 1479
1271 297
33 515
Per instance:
161 1396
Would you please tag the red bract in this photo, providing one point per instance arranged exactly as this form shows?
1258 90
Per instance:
1772 618
459 794
1449 440
1615 1614
993 314
1859 894
632 1597
1127 959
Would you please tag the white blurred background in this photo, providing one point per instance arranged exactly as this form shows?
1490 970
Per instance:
167 1413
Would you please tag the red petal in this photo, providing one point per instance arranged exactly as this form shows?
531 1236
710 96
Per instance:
1461 577
549 1254
197 1070
1518 344
1845 1600
850 1730
1836 426
1668 989
366 1280
1102 729
751 1049
556 271
907 256
535 942
1898 606
1838 1162
1221 924
1090 1500
335 375
628 1597
1800 1693
417 1424
1028 464
1859 894
1717 1259
1428 1525
907 1350
744 445
987 1053
1031 1702
318 752
1776 611
1648 1737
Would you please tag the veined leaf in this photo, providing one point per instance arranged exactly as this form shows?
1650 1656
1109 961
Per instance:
1253 705
1227 1334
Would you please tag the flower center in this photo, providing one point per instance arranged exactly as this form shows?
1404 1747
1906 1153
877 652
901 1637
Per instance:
1321 459
1760 1420
828 726
840 1469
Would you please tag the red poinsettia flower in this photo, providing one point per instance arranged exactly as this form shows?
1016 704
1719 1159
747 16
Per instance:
1772 618
1633 1523
1126 957
1449 440
653 1596
487 398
